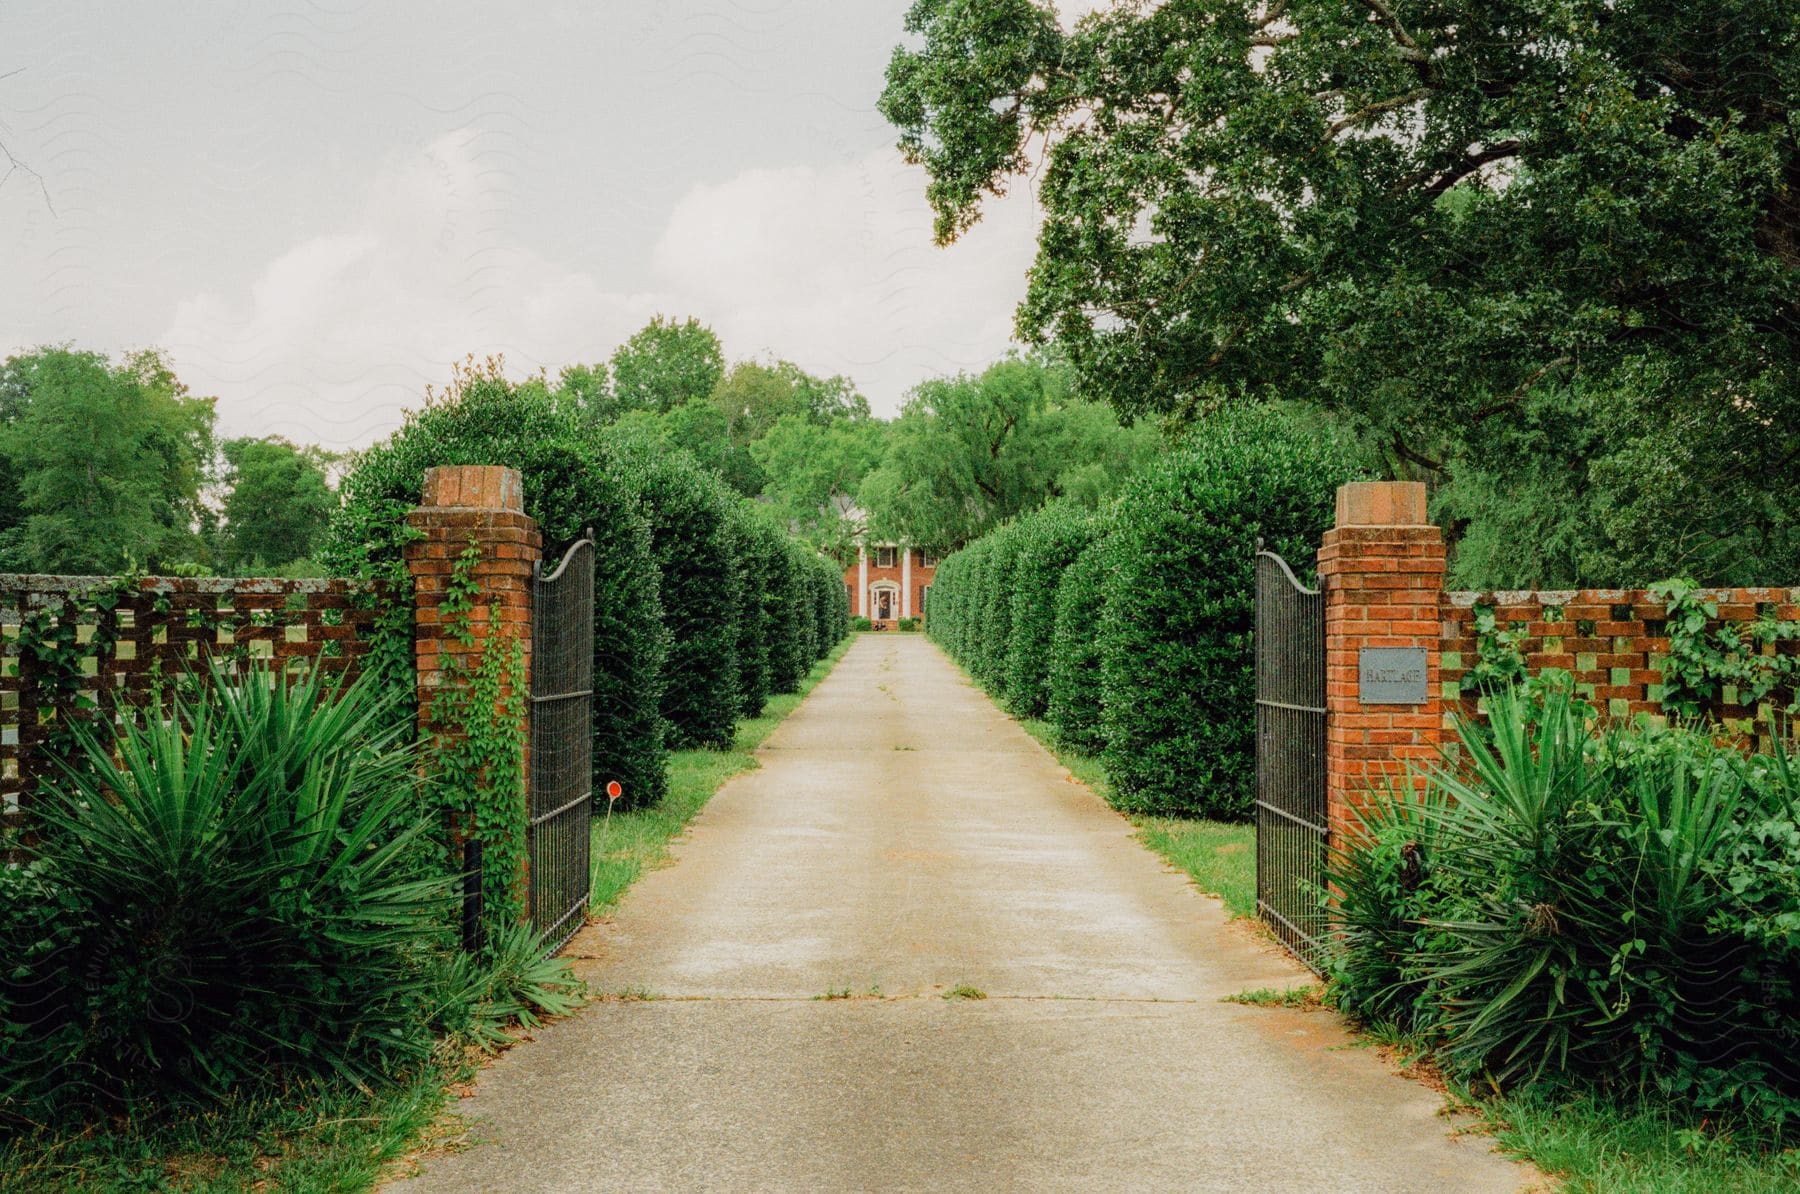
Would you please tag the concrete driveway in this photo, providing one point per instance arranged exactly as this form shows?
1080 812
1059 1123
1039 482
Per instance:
903 838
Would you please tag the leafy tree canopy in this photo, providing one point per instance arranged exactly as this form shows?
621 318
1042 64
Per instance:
664 365
278 501
106 462
969 452
813 471
1543 251
753 396
701 429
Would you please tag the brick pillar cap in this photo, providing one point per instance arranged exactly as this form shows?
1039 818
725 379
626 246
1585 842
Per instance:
1381 504
475 487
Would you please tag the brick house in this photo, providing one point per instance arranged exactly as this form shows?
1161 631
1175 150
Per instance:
888 582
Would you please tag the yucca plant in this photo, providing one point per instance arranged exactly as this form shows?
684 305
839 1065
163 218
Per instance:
248 891
1387 880
511 982
1616 909
1518 830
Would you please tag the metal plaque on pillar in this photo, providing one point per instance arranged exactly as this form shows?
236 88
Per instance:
1392 676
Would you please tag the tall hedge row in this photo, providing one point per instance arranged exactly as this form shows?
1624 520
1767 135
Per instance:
1049 542
1177 674
1074 705
702 605
1132 630
570 486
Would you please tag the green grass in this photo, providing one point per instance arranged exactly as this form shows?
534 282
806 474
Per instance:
631 843
1309 996
1595 1149
1220 857
327 1136
965 991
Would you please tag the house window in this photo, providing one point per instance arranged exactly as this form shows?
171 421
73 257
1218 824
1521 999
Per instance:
884 557
927 559
924 598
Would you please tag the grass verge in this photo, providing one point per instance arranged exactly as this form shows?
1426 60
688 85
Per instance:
634 842
324 1136
1219 856
1592 1148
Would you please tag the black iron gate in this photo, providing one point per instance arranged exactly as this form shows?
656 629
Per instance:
562 759
1290 758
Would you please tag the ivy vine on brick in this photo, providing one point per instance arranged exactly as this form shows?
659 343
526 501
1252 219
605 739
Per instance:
51 646
1707 659
479 724
1499 649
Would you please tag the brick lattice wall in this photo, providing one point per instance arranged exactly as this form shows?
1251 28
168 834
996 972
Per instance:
166 627
1613 642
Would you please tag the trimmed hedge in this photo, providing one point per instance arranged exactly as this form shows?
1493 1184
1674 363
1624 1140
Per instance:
991 647
1177 674
631 643
1132 630
690 514
1075 703
788 658
759 548
1050 540
703 606
570 485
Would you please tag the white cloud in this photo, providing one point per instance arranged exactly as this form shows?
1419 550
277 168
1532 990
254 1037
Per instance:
338 335
836 269
832 267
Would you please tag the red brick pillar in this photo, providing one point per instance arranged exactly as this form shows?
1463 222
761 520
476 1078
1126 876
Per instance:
1381 570
479 507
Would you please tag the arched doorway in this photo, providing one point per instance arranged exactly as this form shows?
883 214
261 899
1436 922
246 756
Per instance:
885 601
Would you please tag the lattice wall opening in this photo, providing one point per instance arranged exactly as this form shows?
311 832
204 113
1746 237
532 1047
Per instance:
160 630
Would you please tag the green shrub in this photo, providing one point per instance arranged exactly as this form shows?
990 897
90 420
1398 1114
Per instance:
512 982
861 623
236 891
1005 546
1050 540
759 549
805 616
1175 638
973 568
631 643
907 625
1616 911
788 662
571 484
828 583
1076 701
690 513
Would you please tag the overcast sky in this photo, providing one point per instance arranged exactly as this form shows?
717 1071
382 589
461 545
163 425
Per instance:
316 207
